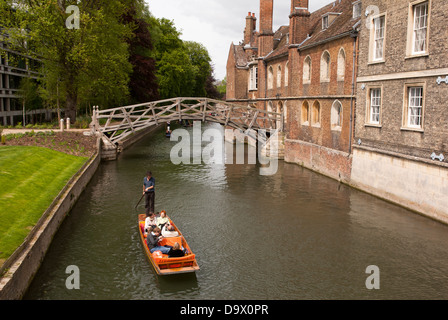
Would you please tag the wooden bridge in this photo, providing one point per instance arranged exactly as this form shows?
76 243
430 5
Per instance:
117 124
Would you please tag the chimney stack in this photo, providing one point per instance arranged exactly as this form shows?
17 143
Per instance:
266 16
299 21
250 28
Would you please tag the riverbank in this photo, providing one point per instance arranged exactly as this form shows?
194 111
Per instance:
30 179
31 171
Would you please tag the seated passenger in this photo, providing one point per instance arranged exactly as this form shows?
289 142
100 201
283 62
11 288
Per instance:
169 231
150 221
153 242
162 220
176 251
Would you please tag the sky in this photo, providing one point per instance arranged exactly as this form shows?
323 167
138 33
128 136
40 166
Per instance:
217 23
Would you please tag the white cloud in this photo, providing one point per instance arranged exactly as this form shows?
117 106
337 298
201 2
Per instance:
217 23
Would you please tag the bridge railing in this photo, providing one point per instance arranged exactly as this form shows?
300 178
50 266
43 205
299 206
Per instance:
118 123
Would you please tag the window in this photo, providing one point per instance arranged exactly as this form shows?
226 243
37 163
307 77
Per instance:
307 70
286 73
336 116
325 67
414 104
420 28
341 64
315 116
270 78
379 24
357 9
253 78
305 113
374 106
324 22
279 76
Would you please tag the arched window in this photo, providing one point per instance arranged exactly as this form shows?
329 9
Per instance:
270 77
286 73
279 76
341 64
336 116
315 114
305 113
307 70
325 66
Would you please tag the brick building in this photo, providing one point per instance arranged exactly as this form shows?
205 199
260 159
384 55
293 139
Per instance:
304 70
401 136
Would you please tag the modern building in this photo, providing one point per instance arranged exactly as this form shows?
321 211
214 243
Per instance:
13 68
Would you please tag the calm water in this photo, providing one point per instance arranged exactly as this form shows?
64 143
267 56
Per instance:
293 235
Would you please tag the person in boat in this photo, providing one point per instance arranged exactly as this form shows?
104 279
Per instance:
162 220
149 184
176 251
150 222
169 231
153 242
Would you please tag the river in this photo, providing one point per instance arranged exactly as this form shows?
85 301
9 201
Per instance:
292 235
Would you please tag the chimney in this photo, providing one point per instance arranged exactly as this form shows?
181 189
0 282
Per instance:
299 21
250 28
266 16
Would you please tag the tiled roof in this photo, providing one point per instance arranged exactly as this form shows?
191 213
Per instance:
343 23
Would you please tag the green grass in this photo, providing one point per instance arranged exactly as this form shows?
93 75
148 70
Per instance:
30 179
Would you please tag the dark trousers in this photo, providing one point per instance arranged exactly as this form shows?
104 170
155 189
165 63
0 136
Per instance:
149 201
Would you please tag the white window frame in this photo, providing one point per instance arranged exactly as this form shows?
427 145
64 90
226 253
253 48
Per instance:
374 100
414 106
253 78
413 29
375 40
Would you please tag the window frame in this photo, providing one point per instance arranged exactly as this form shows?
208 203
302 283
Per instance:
328 72
341 77
337 126
307 62
406 107
373 40
410 52
253 78
368 117
270 78
303 121
279 76
316 105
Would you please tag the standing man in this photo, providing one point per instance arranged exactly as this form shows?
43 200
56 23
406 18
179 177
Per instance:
149 184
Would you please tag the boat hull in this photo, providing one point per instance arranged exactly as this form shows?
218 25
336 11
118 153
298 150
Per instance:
161 263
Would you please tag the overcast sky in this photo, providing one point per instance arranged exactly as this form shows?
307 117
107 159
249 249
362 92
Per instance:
218 23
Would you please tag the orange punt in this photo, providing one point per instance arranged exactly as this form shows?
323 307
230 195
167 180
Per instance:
162 264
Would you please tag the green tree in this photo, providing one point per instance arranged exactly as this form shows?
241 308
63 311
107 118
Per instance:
92 61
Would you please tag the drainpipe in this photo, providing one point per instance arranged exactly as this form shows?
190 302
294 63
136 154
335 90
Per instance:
355 38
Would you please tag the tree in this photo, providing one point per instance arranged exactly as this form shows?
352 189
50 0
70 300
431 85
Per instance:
90 61
143 83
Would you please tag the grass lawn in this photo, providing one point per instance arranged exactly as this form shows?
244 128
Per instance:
30 179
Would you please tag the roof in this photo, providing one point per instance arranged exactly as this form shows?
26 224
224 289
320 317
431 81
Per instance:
342 24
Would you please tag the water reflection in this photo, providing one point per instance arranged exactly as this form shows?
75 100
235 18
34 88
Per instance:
293 235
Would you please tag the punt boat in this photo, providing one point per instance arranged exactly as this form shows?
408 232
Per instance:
163 265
